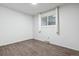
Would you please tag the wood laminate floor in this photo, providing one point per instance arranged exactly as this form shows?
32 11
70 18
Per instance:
35 48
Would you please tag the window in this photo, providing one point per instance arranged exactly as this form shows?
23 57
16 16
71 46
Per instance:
48 20
44 21
51 20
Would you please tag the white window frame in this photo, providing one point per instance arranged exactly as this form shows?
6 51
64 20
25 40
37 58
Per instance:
57 25
47 22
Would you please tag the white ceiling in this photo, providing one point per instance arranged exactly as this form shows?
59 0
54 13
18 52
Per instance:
28 8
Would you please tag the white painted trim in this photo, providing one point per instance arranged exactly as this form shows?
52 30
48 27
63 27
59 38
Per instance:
39 22
16 41
57 20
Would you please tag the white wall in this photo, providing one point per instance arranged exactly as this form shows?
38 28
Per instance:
14 26
69 28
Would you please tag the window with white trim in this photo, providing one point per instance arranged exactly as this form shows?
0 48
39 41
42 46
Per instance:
48 20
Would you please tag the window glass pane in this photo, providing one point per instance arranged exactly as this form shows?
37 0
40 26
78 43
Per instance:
51 20
44 21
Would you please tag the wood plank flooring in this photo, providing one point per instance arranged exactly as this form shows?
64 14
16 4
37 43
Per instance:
35 48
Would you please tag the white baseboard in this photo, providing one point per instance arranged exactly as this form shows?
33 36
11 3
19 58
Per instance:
58 44
14 41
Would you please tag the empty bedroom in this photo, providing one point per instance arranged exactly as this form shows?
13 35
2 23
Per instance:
39 29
